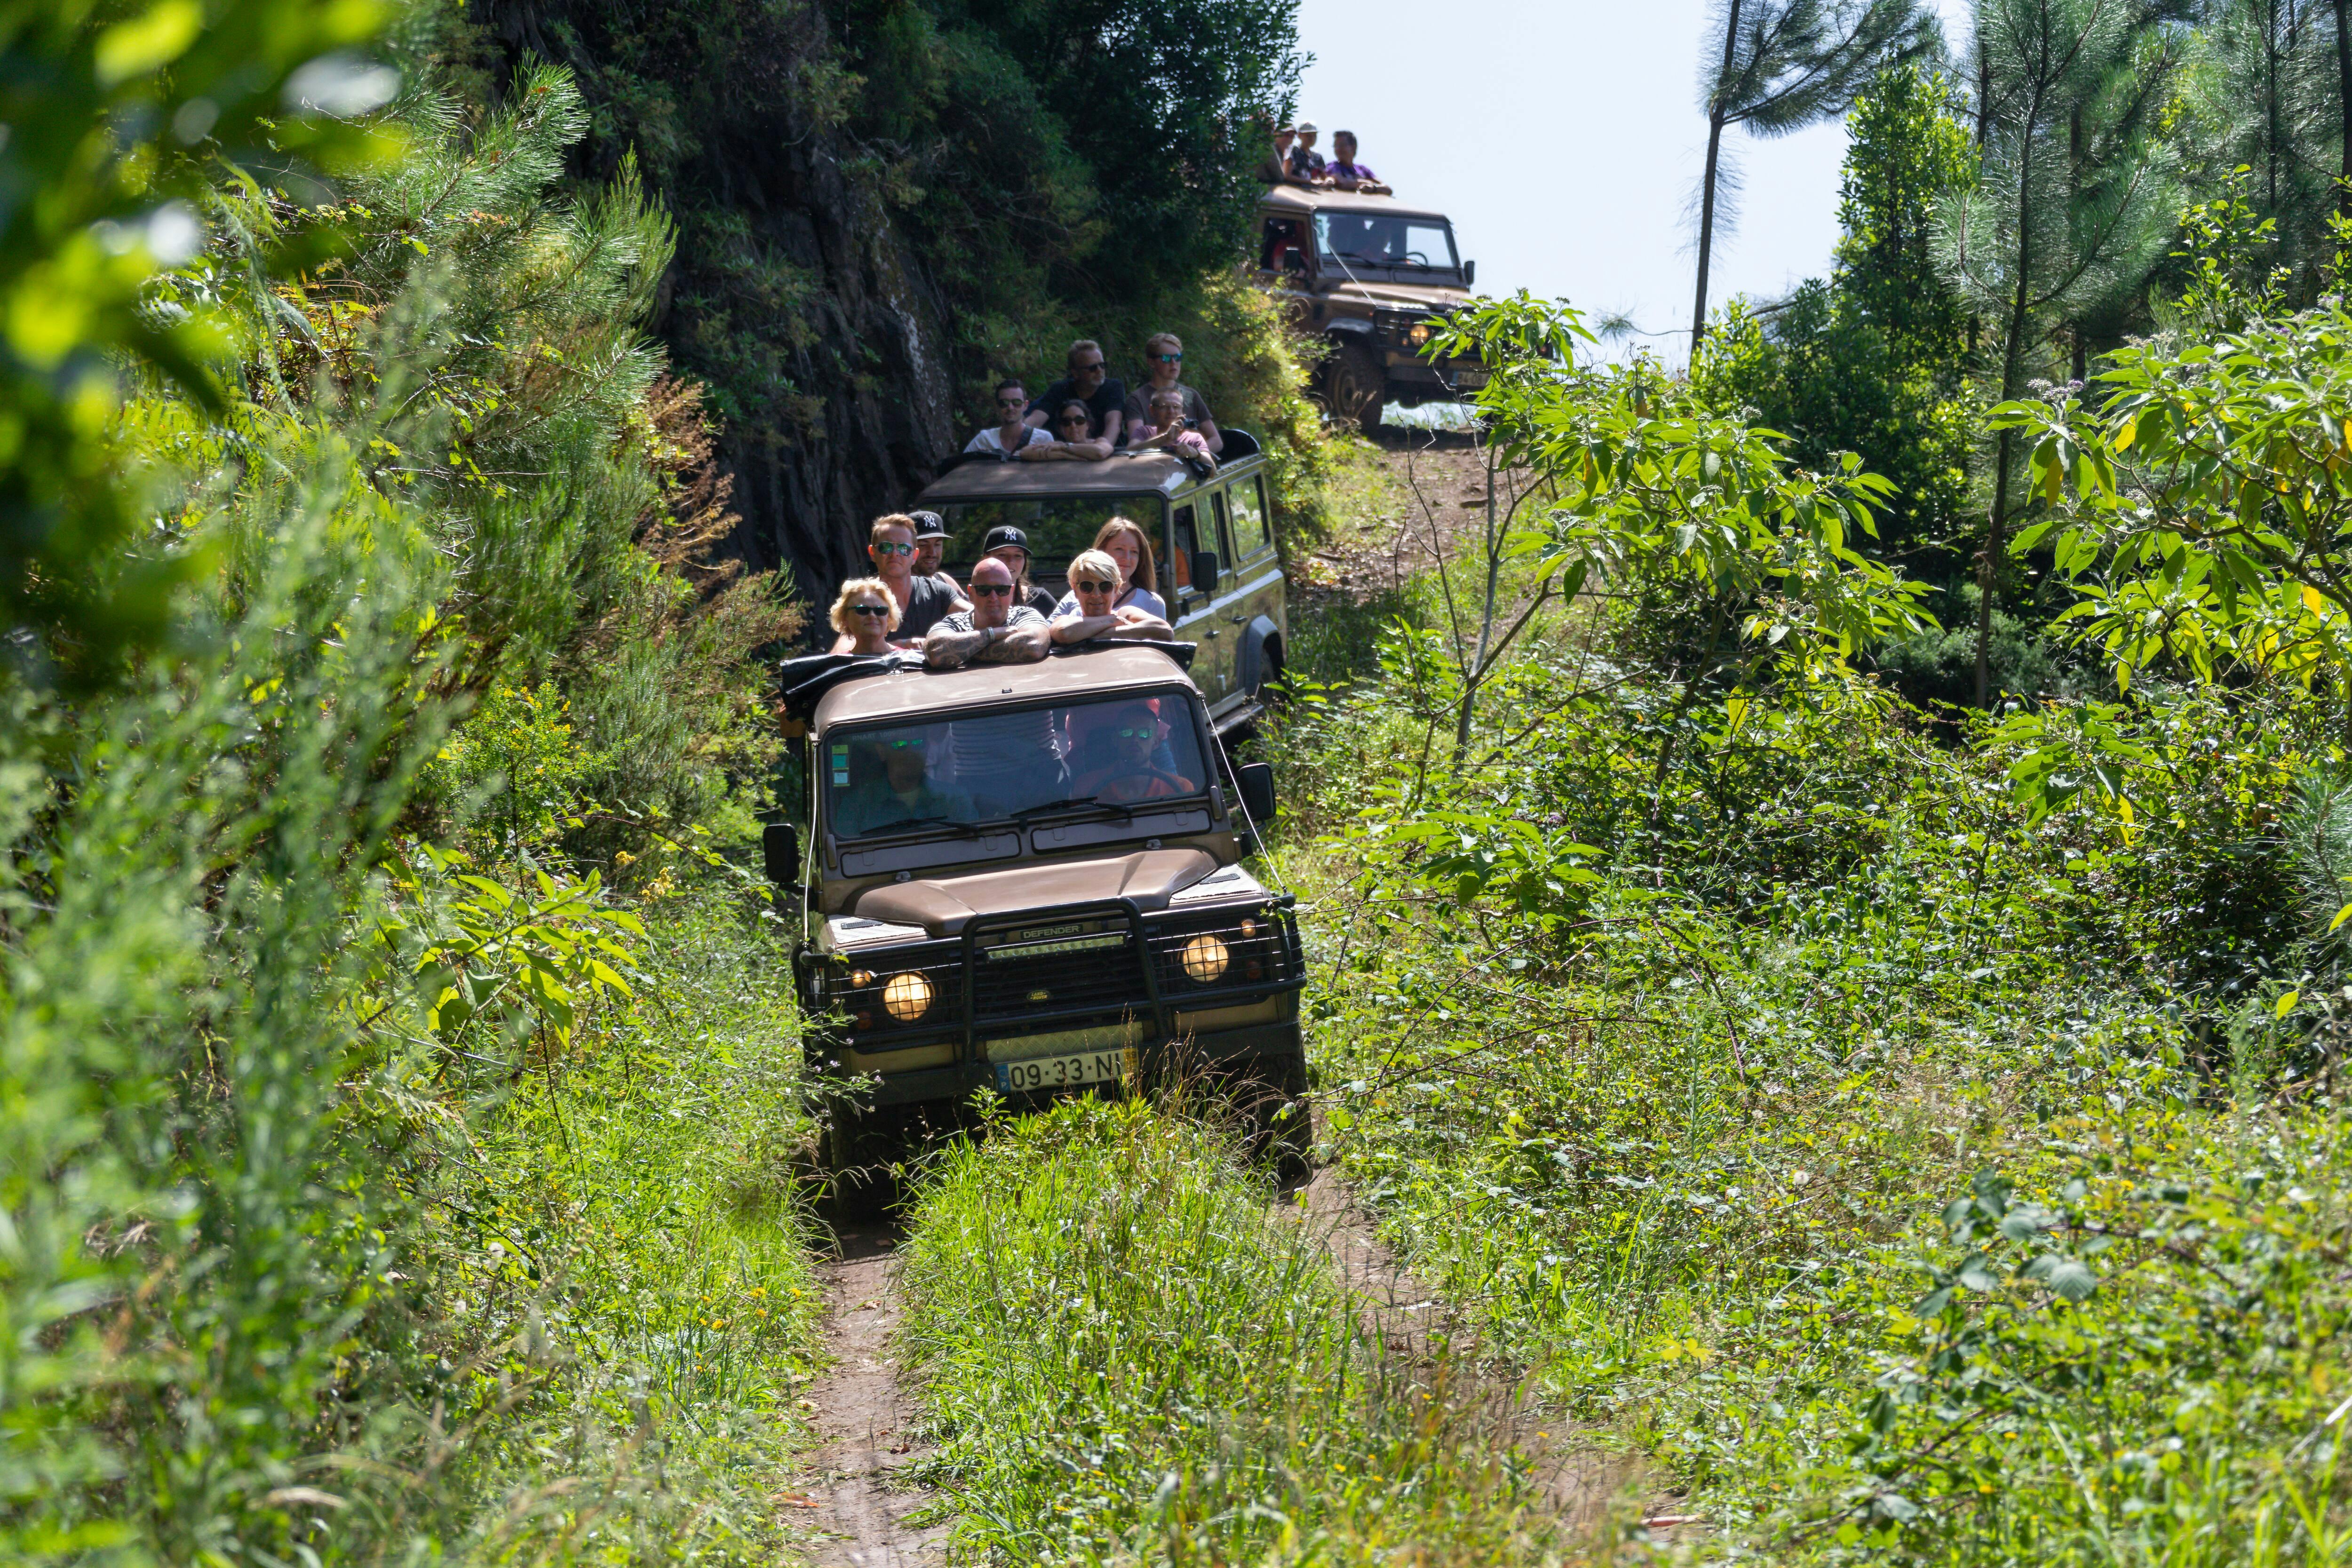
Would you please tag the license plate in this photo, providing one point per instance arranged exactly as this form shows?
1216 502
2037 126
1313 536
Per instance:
1469 380
1057 1072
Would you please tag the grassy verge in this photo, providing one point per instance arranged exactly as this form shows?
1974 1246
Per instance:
1920 1180
1130 1359
624 1265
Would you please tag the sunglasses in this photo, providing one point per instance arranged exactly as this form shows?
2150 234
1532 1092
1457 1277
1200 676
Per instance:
1126 734
869 609
991 590
1094 369
1077 419
891 547
1015 402
1086 587
904 745
1168 359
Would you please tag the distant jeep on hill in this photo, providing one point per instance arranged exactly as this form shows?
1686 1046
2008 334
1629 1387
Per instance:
1367 274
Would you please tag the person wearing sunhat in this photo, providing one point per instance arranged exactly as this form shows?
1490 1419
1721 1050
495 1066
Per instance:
1305 163
1010 545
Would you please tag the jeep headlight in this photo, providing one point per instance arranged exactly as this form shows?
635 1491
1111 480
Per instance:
1205 958
1417 334
907 997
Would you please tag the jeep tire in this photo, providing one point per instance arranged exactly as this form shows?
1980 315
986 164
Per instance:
1355 387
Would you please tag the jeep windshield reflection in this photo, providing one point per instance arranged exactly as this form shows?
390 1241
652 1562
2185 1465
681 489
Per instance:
937 775
1391 242
1058 527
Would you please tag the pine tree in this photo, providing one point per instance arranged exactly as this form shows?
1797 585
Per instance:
2073 206
2277 67
1777 65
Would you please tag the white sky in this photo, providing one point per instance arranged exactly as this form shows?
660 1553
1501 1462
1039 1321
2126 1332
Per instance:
1564 140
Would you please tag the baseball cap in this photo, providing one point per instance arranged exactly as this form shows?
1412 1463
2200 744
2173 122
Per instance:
1002 535
928 524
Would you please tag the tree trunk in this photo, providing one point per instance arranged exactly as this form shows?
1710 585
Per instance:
2270 108
2344 106
1705 228
1989 572
2011 352
1715 112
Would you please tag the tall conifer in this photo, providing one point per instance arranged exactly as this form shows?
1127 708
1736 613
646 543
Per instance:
2073 205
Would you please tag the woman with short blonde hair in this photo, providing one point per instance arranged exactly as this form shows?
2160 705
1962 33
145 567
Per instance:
866 613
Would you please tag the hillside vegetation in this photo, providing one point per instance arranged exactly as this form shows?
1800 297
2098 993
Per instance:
1828 890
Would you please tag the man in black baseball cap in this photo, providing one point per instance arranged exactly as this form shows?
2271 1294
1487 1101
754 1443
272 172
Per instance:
930 545
1010 545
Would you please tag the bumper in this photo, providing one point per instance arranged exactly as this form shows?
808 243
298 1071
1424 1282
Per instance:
1417 379
1212 1055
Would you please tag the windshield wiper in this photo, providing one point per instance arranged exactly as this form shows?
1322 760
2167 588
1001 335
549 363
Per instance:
1126 812
924 824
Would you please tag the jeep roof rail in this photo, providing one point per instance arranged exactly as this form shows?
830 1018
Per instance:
806 679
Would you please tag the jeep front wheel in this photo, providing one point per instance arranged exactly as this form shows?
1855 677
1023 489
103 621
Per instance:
1355 387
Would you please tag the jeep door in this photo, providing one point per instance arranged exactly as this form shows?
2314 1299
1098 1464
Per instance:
1256 616
1194 525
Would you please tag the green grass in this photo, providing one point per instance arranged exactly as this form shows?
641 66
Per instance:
1131 1355
1770 1141
628 1258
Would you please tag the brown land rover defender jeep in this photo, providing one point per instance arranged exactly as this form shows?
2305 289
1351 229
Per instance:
1367 273
1028 878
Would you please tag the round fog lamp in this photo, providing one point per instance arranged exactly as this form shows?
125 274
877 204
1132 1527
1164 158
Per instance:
906 996
1417 334
1205 958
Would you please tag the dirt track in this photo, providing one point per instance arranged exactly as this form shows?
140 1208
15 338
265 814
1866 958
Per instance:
867 1421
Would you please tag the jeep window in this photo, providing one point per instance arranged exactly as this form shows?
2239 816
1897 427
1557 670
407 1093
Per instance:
1186 541
1058 527
1249 518
1358 240
942 775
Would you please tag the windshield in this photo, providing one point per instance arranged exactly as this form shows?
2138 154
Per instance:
1105 752
1385 239
1058 527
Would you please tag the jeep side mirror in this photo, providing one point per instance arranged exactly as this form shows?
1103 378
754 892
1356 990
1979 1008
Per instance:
780 850
1470 272
1204 573
1255 782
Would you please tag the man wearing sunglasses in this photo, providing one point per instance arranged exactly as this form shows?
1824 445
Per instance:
1009 544
922 601
995 630
1089 381
1163 362
903 793
1132 764
1010 434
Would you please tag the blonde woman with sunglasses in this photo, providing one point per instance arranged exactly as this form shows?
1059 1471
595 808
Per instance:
865 613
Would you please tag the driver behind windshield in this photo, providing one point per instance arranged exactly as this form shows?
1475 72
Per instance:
1131 771
902 793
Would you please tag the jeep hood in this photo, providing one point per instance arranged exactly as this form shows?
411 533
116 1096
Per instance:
942 905
1402 296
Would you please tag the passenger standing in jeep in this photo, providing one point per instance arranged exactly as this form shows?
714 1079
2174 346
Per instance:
1011 432
1091 383
921 601
1164 370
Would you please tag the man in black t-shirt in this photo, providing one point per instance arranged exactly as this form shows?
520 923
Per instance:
1090 384
923 602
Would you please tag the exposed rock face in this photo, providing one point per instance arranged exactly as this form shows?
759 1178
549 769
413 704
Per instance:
880 430
820 287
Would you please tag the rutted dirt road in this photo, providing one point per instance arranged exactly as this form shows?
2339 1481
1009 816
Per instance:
865 1418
